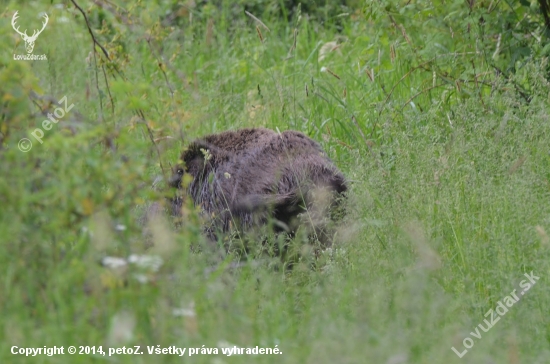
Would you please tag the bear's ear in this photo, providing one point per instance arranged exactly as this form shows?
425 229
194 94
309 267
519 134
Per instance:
201 155
199 158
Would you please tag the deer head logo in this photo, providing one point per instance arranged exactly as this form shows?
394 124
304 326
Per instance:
29 41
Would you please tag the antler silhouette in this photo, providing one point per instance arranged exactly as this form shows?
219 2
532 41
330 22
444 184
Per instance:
13 19
33 36
29 41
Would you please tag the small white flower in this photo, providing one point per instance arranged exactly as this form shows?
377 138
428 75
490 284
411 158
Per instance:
141 278
152 262
188 311
120 227
113 262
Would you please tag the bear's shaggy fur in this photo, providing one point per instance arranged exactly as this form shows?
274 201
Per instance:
245 177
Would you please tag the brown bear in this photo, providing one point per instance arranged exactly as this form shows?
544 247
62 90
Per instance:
246 177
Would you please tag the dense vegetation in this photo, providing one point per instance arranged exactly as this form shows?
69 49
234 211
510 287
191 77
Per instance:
436 111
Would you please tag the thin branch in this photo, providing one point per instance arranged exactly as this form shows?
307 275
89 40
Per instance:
108 89
97 86
152 138
90 30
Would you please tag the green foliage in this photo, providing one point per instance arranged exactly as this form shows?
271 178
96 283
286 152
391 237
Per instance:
436 111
